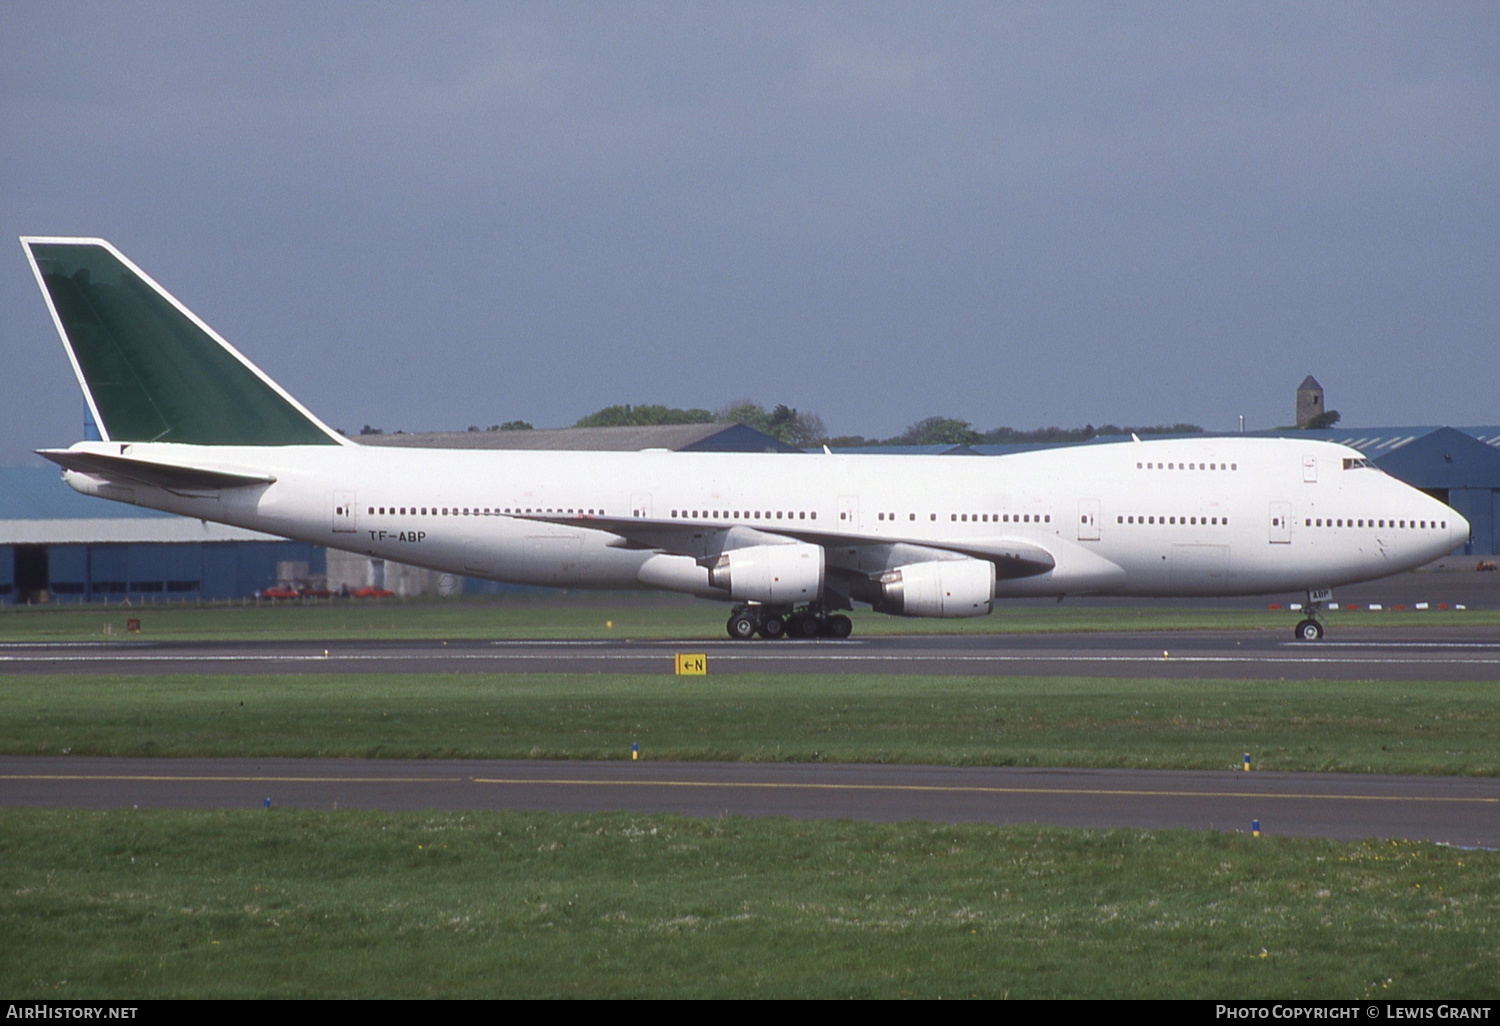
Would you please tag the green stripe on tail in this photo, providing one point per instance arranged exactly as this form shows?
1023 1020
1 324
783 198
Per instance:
153 373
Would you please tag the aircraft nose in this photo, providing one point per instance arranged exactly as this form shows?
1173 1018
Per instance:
1458 530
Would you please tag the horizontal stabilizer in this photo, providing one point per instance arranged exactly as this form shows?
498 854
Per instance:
172 477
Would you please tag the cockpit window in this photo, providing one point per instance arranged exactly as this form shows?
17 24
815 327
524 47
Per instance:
1356 463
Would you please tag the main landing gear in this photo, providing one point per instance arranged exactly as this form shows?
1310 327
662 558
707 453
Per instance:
1311 628
771 622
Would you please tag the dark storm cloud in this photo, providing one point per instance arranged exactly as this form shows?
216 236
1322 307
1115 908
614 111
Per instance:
441 215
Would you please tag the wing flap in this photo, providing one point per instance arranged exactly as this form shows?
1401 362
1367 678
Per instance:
1012 557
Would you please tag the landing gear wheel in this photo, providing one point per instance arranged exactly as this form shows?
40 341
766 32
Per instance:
772 627
803 627
741 627
838 626
1309 630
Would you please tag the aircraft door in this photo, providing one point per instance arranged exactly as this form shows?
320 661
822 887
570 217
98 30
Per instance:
345 506
848 512
1310 469
1281 523
640 505
1088 519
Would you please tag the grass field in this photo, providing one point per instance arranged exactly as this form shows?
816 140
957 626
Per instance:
594 617
302 904
1357 726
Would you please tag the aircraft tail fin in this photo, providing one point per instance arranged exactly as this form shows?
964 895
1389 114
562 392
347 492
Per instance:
151 371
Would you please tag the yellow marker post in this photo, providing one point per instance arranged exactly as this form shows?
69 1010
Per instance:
693 664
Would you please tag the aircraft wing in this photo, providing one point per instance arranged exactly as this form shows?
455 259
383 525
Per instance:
706 539
171 477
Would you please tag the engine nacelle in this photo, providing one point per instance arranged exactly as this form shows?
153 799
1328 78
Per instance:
948 587
776 574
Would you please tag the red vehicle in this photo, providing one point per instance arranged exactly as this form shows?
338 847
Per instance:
370 591
278 591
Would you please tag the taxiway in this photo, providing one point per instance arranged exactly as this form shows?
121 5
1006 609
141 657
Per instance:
1352 653
1451 810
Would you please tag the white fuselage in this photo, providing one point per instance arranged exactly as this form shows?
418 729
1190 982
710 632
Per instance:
1208 516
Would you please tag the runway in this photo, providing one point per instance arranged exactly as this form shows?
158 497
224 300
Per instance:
1348 653
1458 811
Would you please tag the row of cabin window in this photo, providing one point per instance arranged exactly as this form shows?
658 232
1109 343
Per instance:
1187 466
1420 525
981 518
1190 521
466 511
754 514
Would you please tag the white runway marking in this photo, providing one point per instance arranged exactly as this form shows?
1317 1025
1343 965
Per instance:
1400 644
785 655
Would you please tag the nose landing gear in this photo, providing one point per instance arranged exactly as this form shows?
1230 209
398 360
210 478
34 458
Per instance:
1310 628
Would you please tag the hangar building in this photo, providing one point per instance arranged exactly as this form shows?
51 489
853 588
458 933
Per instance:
59 546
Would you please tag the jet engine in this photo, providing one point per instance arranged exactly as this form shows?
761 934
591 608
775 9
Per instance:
948 588
778 574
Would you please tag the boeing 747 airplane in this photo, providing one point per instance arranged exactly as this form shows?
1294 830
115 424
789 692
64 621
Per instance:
189 426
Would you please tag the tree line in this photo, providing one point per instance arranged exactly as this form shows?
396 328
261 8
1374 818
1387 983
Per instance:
805 429
801 428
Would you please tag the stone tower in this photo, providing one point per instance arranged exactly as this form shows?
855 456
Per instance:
1309 400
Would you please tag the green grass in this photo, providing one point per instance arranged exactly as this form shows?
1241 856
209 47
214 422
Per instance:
605 617
1358 726
286 903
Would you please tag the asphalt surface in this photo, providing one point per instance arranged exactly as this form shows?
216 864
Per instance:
1347 653
1458 811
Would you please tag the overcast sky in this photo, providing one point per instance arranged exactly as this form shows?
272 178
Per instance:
427 216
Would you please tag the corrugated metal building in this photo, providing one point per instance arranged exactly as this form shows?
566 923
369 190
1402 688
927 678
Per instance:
59 546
